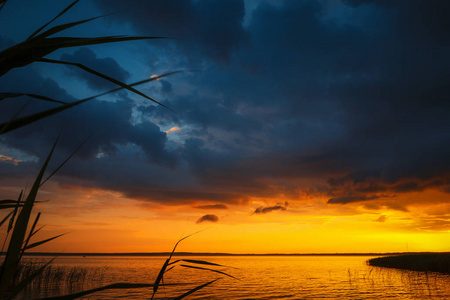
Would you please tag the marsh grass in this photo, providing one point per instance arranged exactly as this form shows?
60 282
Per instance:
426 262
57 278
15 276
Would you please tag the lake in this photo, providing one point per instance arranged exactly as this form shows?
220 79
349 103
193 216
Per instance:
260 277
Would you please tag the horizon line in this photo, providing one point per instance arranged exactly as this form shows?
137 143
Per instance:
218 253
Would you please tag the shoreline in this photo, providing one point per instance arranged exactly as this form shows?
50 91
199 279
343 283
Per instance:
423 262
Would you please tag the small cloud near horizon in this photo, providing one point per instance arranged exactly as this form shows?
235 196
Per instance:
208 218
268 209
212 206
381 219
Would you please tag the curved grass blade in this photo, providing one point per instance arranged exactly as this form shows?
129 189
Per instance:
195 289
6 218
212 270
48 23
201 262
15 124
66 42
40 97
169 269
22 285
64 162
4 126
62 27
37 230
5 204
119 83
43 242
139 83
30 235
166 263
20 228
16 209
160 277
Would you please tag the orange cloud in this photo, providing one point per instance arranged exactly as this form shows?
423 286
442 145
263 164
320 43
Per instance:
10 159
173 129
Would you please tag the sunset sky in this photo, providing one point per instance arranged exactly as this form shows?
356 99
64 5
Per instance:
305 126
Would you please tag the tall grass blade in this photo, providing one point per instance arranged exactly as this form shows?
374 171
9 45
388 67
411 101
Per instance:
169 269
23 284
17 123
119 83
30 234
195 289
40 97
48 23
138 83
4 126
37 230
207 269
64 162
166 263
43 241
20 228
5 204
6 218
160 277
201 262
16 209
60 28
32 50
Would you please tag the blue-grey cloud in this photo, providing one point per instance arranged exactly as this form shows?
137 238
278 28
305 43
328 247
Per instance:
107 66
210 28
348 103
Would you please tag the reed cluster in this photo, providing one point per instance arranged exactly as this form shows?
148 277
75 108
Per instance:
15 276
55 277
426 262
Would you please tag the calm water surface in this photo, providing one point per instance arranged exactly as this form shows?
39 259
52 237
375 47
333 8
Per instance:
261 277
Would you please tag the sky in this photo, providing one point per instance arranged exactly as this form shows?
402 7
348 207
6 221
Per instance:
295 127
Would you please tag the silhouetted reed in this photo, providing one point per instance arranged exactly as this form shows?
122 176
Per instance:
54 277
15 275
426 262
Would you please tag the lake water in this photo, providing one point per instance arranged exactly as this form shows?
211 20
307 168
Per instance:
260 277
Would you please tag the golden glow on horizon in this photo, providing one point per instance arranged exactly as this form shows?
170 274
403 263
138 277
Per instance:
103 221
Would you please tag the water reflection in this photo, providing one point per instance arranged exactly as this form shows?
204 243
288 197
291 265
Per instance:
263 277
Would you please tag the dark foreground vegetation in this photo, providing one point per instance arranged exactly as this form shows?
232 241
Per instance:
15 276
427 262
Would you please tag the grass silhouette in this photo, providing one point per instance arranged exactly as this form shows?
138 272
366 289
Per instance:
34 49
426 262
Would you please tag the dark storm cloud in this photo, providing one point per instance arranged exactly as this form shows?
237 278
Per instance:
105 123
208 218
107 66
212 206
349 104
213 26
